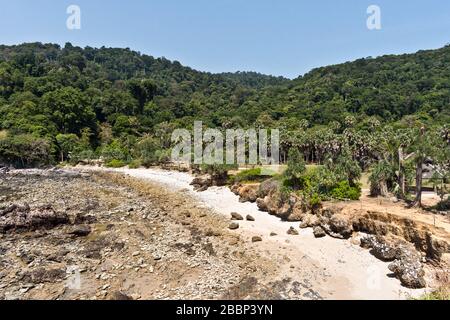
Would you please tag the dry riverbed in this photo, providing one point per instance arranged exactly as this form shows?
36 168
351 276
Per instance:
145 234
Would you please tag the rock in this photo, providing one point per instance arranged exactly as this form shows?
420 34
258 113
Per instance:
406 265
236 216
250 218
23 218
135 254
256 239
268 187
292 231
119 296
80 231
409 271
310 221
380 248
338 227
319 232
248 193
233 226
202 183
273 234
42 275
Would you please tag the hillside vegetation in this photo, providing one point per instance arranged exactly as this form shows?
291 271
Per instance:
388 114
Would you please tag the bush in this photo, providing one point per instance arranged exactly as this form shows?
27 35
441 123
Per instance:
343 191
115 163
135 164
251 175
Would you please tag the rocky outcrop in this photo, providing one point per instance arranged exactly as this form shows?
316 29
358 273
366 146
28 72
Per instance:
417 233
23 218
406 261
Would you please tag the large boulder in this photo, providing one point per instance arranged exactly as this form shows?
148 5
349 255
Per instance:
338 226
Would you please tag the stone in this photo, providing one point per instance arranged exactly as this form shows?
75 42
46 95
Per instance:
233 226
292 231
80 231
273 234
256 239
319 232
250 218
119 296
236 216
339 227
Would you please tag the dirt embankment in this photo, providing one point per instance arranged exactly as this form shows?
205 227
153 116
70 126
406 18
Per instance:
412 239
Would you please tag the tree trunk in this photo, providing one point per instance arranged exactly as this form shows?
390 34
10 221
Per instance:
419 174
401 174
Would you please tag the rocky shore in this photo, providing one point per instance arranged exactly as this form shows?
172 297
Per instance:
91 233
96 235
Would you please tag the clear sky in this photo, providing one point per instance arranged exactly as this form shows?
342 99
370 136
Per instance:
284 37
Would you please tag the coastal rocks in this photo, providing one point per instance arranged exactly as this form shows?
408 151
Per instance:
319 232
236 216
406 261
292 231
233 226
23 218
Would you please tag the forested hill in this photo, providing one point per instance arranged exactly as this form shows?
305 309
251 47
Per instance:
113 97
388 87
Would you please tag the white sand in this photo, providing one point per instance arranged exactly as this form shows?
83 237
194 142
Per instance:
338 268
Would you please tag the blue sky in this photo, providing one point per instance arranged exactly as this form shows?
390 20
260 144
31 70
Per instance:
284 37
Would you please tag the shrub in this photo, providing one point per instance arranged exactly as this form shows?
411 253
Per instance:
115 163
135 164
344 191
251 175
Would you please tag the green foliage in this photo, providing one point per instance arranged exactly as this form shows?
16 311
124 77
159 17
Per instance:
115 164
135 164
295 170
218 171
343 191
113 100
24 150
251 175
